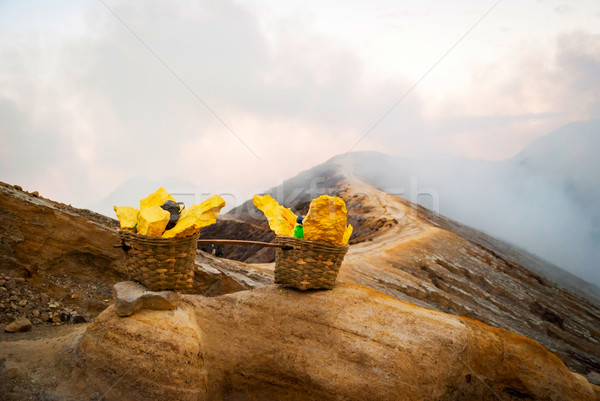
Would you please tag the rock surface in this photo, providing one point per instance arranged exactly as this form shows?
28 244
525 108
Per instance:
19 325
350 343
131 297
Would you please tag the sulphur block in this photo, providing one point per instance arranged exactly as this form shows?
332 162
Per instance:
196 217
326 220
152 221
158 198
281 219
128 217
347 234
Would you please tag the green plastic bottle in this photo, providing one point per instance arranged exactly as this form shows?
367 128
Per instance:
299 231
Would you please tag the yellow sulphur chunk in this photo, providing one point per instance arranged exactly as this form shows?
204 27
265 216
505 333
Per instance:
326 220
281 219
152 221
128 217
196 217
347 234
158 198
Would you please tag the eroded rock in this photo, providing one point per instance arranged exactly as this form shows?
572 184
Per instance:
155 355
351 343
131 297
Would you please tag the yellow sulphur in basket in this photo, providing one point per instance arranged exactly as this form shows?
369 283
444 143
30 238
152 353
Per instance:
128 217
281 219
326 221
196 217
152 221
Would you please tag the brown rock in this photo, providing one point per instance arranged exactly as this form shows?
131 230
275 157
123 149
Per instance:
131 297
19 325
594 378
56 317
350 343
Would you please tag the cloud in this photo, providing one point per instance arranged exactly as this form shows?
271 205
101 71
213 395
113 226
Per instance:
86 114
109 105
511 102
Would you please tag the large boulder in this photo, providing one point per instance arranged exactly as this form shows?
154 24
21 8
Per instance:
351 343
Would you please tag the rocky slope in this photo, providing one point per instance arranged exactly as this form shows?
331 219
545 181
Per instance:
428 265
54 258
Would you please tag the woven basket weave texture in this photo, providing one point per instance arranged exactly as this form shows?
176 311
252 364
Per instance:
309 265
161 263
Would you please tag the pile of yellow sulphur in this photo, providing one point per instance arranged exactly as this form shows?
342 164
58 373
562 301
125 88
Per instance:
325 221
152 220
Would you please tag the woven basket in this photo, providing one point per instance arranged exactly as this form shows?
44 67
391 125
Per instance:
160 263
309 265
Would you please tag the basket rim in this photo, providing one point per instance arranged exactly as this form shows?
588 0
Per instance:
302 241
140 237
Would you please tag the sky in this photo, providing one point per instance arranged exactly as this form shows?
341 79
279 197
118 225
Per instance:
237 96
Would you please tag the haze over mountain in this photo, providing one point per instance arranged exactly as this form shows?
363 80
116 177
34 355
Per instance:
546 199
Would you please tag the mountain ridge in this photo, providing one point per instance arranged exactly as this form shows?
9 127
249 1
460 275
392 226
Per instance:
412 254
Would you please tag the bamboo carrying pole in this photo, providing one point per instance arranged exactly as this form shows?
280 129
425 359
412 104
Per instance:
237 242
246 243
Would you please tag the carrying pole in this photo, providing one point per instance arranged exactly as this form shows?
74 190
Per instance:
246 243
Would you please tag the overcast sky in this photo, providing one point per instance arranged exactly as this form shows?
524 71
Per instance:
238 96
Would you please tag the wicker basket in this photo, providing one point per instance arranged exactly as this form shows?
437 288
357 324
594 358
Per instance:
160 263
309 265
